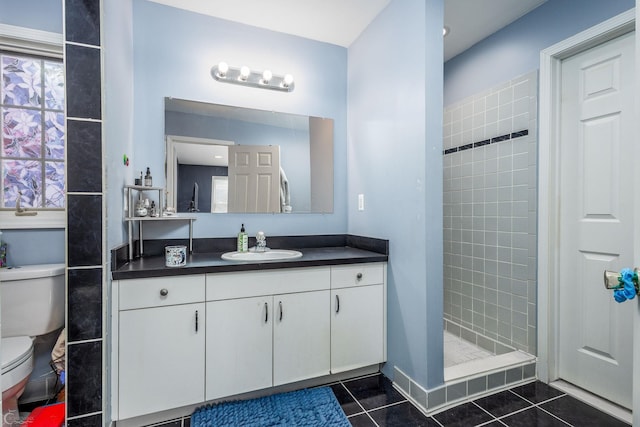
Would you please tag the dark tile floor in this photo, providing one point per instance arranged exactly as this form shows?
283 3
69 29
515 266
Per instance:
372 401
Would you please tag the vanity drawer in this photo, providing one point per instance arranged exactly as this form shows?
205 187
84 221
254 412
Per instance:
221 286
161 291
345 276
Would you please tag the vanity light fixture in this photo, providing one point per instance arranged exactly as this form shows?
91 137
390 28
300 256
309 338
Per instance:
244 76
245 72
267 75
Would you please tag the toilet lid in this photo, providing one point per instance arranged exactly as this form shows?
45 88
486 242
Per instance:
14 351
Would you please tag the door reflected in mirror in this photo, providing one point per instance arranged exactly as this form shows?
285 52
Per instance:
225 159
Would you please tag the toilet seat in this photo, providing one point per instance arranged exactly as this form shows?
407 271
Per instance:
17 360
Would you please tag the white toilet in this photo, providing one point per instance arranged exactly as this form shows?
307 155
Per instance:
32 303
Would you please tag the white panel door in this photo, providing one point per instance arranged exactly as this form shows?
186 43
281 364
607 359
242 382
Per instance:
254 178
301 336
357 327
596 217
239 346
161 361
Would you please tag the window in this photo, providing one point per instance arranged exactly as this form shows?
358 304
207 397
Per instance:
33 132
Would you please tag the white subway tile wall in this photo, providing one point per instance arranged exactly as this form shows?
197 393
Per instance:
490 212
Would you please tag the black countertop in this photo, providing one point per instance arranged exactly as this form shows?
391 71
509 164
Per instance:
199 263
316 251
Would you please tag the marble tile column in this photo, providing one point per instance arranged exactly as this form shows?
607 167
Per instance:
85 214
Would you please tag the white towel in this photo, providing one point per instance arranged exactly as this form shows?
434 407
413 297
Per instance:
285 195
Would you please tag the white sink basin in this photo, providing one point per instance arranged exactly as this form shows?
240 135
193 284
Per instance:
268 255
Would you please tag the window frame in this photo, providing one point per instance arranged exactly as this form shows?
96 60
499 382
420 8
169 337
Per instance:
42 43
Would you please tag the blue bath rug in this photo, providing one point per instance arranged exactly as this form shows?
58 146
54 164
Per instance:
309 407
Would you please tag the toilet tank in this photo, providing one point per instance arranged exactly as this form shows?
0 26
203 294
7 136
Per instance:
32 298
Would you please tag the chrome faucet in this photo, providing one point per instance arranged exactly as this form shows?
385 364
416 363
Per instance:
261 242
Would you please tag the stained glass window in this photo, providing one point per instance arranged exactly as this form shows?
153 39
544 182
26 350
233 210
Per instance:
33 133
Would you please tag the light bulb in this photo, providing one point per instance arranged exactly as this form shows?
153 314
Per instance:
266 76
244 73
223 68
288 79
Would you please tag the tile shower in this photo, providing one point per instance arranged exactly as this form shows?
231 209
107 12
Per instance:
489 212
490 196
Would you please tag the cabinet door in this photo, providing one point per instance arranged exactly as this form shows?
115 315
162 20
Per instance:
239 346
357 328
161 361
301 336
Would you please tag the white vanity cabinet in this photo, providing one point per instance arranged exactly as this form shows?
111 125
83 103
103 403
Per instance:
161 344
301 336
239 346
266 328
358 316
183 340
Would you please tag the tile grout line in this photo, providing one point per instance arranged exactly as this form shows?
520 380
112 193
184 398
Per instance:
490 414
531 405
550 413
372 420
354 398
367 412
389 405
534 405
437 422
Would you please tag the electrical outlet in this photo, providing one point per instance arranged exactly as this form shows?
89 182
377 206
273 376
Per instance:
360 202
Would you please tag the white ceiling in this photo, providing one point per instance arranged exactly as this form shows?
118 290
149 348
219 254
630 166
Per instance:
340 22
471 21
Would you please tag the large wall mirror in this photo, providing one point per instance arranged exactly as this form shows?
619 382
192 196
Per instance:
225 159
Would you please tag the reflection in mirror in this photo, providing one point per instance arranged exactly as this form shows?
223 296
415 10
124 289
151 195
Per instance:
231 159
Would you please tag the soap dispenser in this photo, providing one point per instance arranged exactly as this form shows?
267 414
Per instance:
243 240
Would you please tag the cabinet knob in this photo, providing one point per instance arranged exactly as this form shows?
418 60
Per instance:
359 276
164 292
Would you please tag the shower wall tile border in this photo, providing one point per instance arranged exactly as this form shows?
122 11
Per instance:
500 138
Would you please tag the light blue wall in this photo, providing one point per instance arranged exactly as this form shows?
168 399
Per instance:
34 246
515 50
26 246
174 51
44 15
395 160
117 22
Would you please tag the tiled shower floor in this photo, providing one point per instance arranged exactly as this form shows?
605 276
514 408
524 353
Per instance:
457 351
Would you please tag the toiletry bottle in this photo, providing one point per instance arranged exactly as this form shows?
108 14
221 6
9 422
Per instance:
243 240
153 212
147 179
